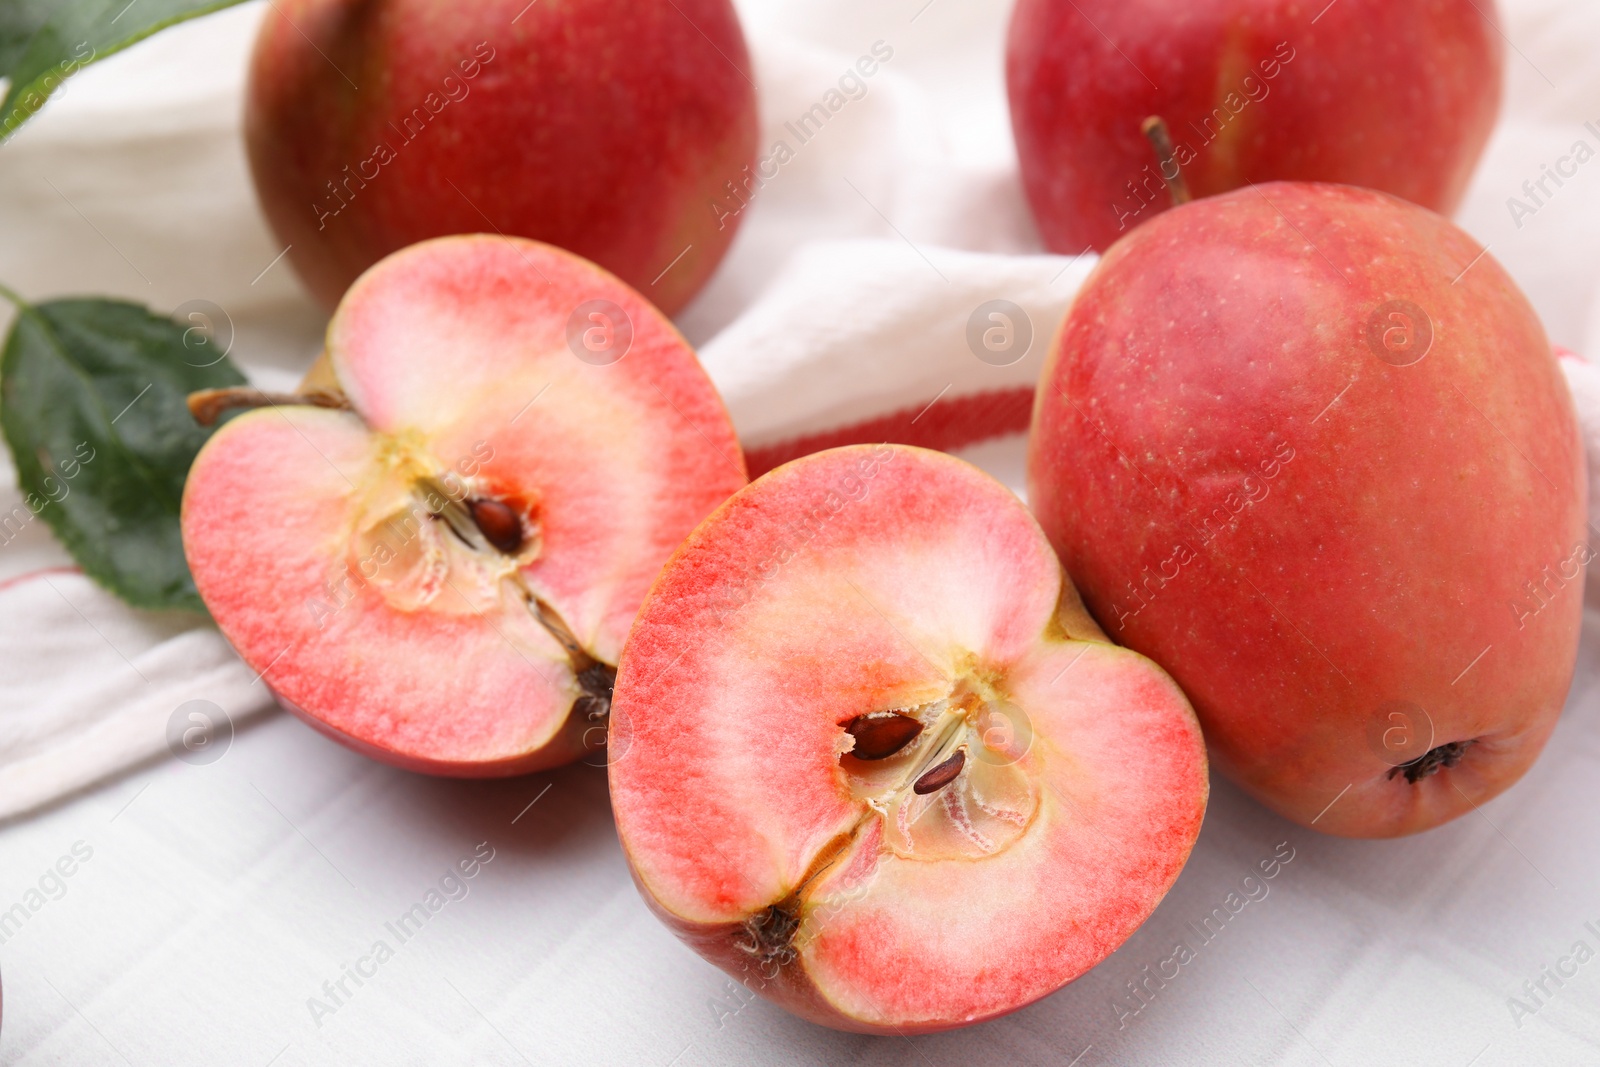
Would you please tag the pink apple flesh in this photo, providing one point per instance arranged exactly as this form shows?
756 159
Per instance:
1308 448
443 575
893 893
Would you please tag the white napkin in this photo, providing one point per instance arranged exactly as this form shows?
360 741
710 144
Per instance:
855 303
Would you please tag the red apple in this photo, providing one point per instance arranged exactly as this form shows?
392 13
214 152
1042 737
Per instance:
871 757
607 127
1308 448
1398 95
435 557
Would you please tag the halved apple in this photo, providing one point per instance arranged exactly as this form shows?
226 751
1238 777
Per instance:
434 554
871 756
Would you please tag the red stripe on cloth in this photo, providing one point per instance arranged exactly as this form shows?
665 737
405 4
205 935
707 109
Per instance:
945 425
43 572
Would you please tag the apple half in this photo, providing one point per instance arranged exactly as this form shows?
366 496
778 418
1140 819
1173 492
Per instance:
434 554
871 757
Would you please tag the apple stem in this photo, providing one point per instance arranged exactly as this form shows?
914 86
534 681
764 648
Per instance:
1155 131
209 405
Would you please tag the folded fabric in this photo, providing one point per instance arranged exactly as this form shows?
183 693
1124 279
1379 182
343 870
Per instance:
91 687
921 346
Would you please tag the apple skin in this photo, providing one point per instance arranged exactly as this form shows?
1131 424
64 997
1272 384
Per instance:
605 127
1329 552
1393 96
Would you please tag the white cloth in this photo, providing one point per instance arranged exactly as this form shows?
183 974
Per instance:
217 898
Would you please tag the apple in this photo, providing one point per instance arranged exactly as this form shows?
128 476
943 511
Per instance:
434 555
1308 447
1397 96
607 127
870 756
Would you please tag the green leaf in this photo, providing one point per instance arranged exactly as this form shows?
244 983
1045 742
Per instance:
92 404
42 42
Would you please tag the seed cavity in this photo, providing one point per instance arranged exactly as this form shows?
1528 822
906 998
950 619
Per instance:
1446 755
400 543
879 736
499 523
941 774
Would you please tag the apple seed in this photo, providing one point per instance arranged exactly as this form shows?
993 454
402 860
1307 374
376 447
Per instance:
498 522
941 774
880 736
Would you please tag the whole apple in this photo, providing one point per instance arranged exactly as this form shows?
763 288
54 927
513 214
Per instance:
1308 448
871 757
1397 95
606 127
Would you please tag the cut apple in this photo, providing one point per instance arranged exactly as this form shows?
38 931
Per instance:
872 757
435 553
